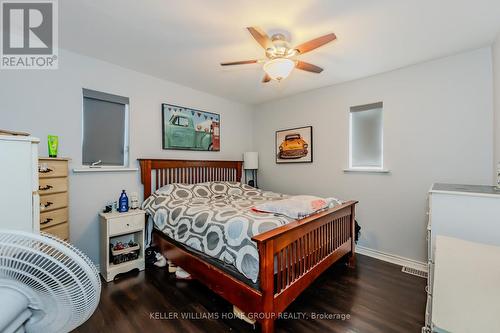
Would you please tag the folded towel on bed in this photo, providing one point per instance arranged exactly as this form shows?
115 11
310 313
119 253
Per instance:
298 206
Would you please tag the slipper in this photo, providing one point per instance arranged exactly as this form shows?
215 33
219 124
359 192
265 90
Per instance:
160 260
182 274
172 268
241 315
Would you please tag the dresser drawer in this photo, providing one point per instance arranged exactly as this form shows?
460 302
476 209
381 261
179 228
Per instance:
429 212
126 224
52 168
53 201
51 218
430 277
61 231
52 185
428 312
429 246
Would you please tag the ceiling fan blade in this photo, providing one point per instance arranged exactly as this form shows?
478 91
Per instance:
305 66
266 79
244 62
261 37
315 43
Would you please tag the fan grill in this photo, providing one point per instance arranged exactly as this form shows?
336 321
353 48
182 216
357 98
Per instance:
61 283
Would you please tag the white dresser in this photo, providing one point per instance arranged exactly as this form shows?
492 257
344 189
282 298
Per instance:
468 212
19 200
466 296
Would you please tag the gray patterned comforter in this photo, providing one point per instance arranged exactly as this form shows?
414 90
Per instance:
216 219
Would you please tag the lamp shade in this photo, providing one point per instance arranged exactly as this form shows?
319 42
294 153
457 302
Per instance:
279 68
251 160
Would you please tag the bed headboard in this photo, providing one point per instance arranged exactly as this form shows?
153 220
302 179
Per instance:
156 173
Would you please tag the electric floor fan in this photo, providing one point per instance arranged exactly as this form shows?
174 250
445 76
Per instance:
46 284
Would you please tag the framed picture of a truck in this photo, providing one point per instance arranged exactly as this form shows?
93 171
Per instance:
189 129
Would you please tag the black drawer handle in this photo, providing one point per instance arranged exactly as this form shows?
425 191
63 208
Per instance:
45 188
48 204
46 221
45 170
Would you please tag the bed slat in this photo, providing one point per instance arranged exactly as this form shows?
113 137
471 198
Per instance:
309 250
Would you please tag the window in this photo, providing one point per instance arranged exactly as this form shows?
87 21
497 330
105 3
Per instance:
366 137
292 136
105 129
181 121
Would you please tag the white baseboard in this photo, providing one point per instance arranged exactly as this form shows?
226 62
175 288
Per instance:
392 258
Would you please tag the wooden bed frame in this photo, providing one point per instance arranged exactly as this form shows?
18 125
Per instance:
301 250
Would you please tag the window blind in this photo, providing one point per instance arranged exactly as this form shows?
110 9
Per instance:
104 128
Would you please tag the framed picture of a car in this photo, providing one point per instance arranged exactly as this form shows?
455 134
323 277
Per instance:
294 145
189 129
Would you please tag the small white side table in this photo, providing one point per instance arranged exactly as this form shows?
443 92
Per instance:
129 225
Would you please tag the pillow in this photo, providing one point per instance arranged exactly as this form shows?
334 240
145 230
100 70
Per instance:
176 190
201 190
297 207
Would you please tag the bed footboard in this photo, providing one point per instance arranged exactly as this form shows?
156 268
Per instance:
292 256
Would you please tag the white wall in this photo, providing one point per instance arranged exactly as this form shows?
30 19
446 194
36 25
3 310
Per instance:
437 128
49 102
496 99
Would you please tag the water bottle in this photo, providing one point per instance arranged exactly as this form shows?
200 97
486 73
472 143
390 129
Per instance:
123 202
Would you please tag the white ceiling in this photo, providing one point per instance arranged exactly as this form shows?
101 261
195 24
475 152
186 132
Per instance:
185 40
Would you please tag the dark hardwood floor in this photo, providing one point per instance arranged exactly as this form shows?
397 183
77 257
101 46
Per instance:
376 296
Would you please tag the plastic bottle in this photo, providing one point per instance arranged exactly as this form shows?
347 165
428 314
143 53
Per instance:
123 202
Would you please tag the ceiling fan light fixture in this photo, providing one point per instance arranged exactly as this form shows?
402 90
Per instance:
279 68
279 54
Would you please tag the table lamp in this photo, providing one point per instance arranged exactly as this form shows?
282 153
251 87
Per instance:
251 163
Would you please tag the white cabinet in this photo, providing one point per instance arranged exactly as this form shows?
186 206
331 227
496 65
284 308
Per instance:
121 227
467 212
19 201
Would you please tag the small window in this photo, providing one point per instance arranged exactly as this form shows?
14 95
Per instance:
181 121
292 136
366 137
105 129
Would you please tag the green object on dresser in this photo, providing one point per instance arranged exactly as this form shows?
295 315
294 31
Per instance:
53 142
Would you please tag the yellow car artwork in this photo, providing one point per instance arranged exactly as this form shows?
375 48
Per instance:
293 147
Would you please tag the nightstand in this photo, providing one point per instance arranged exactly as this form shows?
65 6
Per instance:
121 227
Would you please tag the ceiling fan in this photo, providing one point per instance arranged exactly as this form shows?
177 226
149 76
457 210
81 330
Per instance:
280 61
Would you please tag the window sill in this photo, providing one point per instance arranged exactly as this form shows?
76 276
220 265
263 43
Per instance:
367 170
104 169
